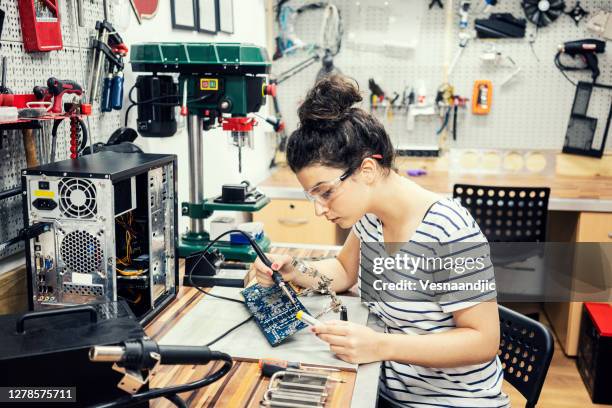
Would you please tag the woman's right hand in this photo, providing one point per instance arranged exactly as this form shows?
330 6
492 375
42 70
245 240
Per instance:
280 263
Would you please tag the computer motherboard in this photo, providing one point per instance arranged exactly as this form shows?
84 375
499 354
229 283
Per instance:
273 312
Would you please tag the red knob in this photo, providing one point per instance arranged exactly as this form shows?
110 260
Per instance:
86 109
270 90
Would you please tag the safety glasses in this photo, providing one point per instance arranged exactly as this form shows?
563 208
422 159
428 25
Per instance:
325 191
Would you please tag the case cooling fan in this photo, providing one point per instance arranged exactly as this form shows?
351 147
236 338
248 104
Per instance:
77 198
543 12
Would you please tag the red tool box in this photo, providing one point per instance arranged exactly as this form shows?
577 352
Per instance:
40 25
595 351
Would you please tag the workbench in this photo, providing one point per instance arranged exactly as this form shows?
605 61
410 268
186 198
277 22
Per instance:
580 210
243 386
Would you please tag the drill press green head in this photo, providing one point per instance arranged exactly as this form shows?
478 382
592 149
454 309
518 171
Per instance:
215 78
219 82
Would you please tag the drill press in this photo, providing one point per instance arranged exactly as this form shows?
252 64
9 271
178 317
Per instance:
219 84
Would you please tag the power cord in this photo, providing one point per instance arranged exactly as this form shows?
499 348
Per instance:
151 101
229 331
198 288
562 68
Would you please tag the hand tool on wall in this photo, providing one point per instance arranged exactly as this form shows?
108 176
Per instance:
136 12
500 25
112 90
482 97
55 90
109 44
58 88
422 106
433 3
376 93
7 99
464 13
80 16
464 38
1 21
40 25
29 147
487 6
587 50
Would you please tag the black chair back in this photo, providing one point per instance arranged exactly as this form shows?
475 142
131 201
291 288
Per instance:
507 214
525 350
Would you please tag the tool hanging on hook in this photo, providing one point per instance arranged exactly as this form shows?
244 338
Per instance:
109 44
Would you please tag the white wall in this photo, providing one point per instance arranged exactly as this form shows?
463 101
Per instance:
220 158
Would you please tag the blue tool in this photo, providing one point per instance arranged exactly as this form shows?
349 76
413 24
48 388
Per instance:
116 95
105 104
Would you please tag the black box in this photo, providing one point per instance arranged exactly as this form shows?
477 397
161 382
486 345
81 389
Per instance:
594 358
52 350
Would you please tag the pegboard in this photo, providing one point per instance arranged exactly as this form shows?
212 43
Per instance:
529 112
26 70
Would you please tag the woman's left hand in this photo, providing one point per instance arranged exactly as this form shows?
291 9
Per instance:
353 343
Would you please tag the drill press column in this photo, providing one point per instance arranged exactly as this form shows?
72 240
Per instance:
196 172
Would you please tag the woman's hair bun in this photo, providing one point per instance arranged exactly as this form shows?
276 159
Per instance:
329 102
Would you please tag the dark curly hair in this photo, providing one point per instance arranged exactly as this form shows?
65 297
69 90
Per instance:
332 132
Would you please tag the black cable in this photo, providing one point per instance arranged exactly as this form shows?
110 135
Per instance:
562 68
10 193
85 135
229 331
152 102
225 298
175 389
296 69
190 275
127 113
10 242
203 252
56 124
30 232
177 401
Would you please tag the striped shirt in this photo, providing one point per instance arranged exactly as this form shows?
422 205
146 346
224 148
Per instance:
409 385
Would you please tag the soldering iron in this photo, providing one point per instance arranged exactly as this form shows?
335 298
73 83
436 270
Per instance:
276 276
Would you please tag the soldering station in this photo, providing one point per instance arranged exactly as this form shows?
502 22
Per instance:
135 223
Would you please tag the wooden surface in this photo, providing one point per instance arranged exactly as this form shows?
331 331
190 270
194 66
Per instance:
13 291
242 386
575 178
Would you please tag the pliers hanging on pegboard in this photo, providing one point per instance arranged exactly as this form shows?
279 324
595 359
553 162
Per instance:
436 3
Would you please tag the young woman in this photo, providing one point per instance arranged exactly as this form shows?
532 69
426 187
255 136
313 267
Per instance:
433 353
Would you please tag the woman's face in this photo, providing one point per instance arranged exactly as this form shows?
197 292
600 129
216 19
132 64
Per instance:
342 200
